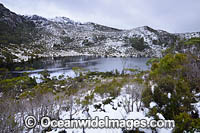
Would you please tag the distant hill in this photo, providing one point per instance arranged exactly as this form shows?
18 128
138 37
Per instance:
25 37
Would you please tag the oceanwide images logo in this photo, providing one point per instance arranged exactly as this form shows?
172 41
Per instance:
45 122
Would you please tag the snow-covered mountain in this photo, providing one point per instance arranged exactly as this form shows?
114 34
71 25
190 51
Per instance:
91 38
62 36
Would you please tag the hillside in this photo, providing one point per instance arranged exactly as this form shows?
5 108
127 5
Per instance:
28 37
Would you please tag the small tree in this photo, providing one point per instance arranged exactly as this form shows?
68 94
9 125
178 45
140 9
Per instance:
138 43
174 84
135 93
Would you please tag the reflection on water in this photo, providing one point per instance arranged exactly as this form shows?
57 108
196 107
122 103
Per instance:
64 65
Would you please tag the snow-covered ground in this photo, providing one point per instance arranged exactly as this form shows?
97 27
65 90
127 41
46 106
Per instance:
62 36
114 110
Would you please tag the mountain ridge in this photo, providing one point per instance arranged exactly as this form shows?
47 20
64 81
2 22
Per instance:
35 36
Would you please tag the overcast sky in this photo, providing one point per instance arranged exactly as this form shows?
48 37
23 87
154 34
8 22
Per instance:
170 15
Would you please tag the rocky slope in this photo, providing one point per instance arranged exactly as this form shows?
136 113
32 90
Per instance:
25 37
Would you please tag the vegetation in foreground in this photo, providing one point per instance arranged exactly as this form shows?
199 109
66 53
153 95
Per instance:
173 84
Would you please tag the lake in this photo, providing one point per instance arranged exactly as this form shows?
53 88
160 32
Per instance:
63 65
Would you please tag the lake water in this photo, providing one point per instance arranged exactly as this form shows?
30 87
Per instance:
64 65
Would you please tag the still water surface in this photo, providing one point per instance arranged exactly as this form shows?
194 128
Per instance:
64 65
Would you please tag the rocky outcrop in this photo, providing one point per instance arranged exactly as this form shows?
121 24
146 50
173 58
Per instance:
48 37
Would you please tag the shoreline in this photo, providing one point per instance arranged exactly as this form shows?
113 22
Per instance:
73 54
